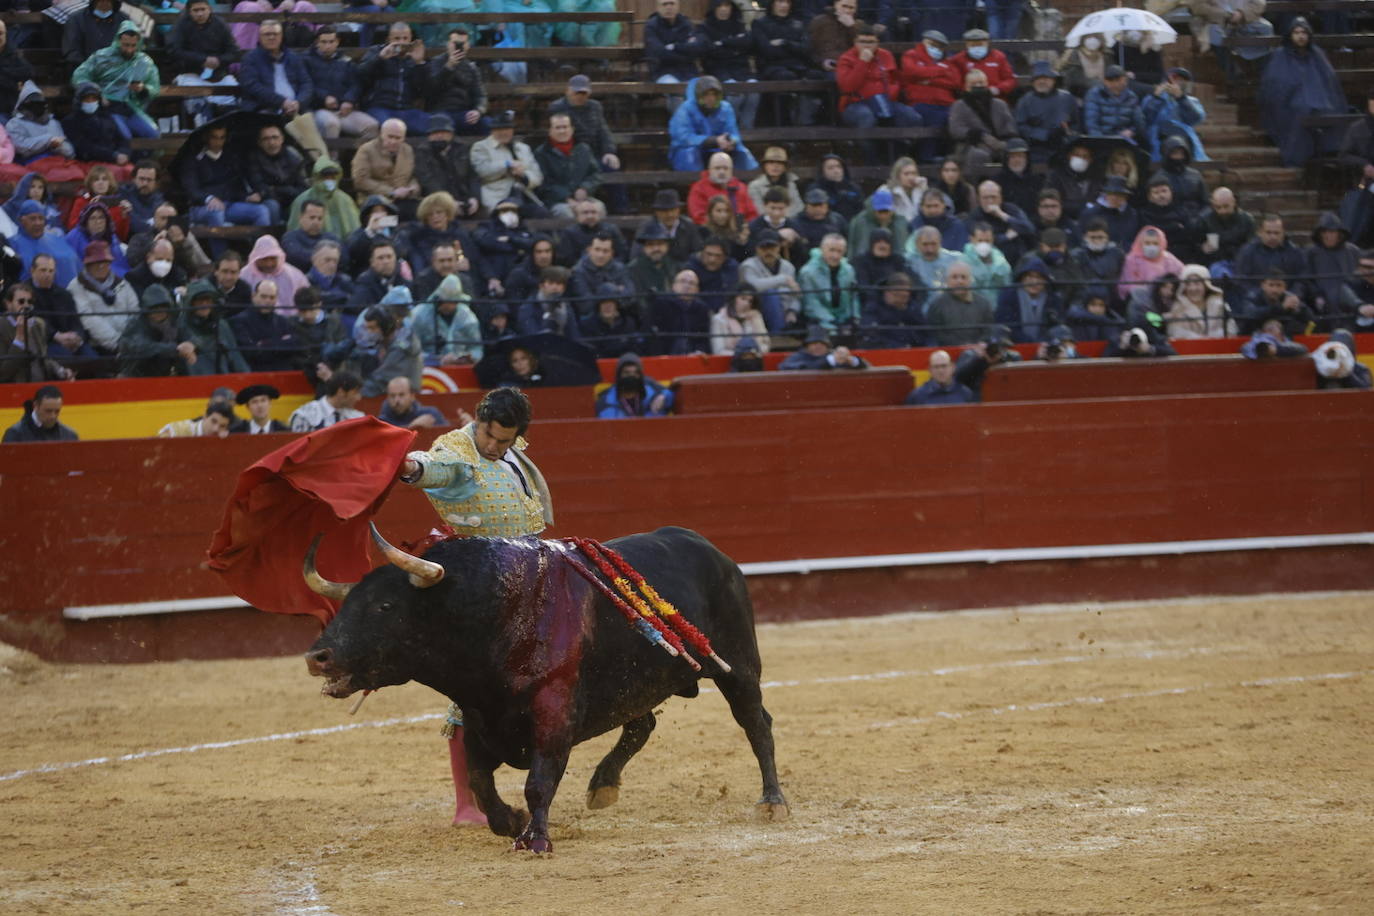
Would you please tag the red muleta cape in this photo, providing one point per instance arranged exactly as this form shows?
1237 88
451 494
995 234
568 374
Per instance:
329 482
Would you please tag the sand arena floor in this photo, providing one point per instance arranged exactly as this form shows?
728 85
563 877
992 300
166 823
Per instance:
1209 756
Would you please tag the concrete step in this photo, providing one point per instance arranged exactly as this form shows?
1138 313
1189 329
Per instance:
1221 135
1241 156
1280 199
1266 177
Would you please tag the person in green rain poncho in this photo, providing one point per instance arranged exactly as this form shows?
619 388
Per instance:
128 79
340 212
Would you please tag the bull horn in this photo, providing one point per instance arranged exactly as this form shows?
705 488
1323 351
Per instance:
318 583
423 573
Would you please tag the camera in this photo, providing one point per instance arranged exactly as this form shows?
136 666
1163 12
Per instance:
1136 340
993 350
1053 351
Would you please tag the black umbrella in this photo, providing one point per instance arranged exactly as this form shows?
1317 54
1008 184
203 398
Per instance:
1102 149
561 362
242 135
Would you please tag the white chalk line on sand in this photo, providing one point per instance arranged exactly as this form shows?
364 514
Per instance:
1133 695
428 717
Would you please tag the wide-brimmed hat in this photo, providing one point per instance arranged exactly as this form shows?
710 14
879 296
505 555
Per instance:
253 391
652 231
667 199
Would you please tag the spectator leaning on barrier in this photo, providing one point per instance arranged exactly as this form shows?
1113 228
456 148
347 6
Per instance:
940 389
1270 342
994 349
342 390
150 345
633 394
336 90
402 408
894 313
1331 262
40 421
1335 362
446 327
817 354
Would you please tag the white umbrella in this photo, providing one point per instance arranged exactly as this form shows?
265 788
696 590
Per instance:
1111 23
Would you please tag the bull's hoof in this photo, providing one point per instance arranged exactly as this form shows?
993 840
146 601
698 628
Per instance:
772 811
512 822
527 842
603 797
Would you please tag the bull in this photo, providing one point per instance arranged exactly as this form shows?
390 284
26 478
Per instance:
539 660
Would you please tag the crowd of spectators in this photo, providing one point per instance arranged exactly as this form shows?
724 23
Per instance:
1070 208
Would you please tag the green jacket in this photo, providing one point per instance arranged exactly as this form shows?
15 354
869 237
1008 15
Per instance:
340 212
149 348
113 72
817 306
217 347
861 229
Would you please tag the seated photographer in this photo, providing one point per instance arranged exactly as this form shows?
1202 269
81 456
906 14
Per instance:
1057 346
1138 343
1270 342
993 349
1337 366
816 354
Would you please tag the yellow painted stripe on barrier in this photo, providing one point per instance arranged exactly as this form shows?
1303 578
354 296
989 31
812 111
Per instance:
141 419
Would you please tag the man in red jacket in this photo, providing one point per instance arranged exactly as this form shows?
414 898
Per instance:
930 84
719 178
870 85
978 54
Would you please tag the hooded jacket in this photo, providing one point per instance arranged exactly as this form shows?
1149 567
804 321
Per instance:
1331 270
78 238
724 45
1139 271
267 341
31 136
845 196
458 335
1188 319
1190 190
670 49
1359 376
690 127
94 137
1013 305
633 399
113 73
287 278
148 348
1297 83
217 349
340 212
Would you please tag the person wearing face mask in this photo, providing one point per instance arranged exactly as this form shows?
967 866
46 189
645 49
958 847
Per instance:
1084 66
990 268
38 138
502 242
94 134
1053 252
340 212
979 123
88 30
158 268
1148 259
978 54
1073 176
442 165
1099 260
127 77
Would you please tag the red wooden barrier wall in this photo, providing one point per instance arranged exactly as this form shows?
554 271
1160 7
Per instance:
128 521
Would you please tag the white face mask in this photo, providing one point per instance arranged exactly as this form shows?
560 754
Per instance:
978 53
1150 251
1098 246
1078 164
90 107
329 184
1092 44
983 249
160 268
509 219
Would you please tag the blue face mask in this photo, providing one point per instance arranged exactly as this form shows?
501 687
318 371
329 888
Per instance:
102 14
90 107
934 52
978 53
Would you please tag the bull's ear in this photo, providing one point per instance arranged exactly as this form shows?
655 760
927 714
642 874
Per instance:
337 591
423 573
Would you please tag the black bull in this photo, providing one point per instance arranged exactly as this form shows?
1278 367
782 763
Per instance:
539 660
